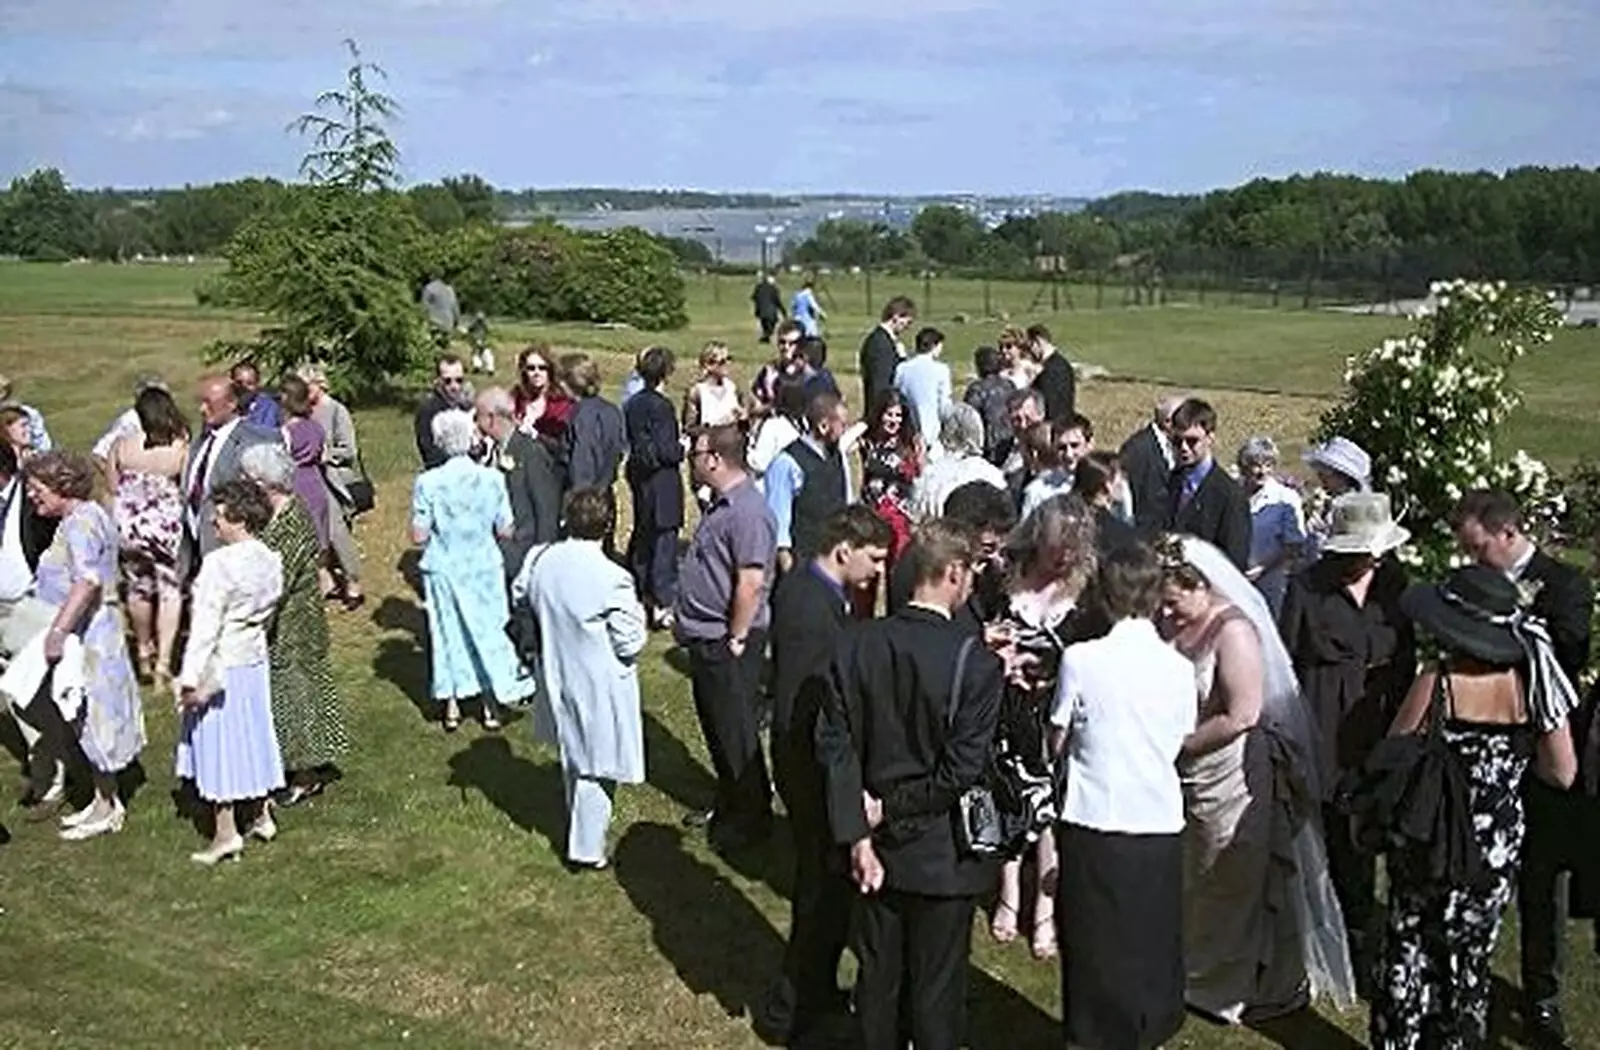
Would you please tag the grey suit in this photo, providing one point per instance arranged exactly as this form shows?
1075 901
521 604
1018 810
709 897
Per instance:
200 521
534 485
340 467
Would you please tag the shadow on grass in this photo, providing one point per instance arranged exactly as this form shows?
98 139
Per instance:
673 770
716 940
1306 1030
1001 1018
532 795
403 661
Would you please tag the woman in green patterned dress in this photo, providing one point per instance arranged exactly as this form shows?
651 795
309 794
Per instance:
305 706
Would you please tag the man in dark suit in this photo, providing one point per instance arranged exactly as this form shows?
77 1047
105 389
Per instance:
1056 381
24 537
1147 461
533 481
1203 500
214 457
1562 825
991 514
768 303
655 483
880 350
810 610
449 391
900 741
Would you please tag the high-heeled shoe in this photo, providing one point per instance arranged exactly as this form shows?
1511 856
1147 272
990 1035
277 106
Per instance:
88 828
219 852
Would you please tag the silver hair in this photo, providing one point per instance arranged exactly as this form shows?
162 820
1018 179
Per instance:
455 432
313 374
1166 406
148 381
961 428
496 400
268 466
1258 449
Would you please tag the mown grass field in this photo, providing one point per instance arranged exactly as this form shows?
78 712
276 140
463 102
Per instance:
422 902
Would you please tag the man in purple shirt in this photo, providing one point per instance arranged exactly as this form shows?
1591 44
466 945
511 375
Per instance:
259 407
722 618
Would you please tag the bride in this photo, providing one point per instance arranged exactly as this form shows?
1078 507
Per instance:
1262 928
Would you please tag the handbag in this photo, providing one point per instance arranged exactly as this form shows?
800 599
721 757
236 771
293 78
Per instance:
522 627
1412 799
979 829
363 496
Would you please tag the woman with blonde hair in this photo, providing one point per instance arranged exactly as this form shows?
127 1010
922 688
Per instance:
1017 360
1052 558
341 469
713 399
1263 931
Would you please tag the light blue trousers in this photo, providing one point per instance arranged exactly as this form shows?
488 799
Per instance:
588 817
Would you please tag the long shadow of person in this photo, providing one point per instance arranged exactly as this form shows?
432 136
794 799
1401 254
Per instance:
402 660
673 770
1306 1029
530 793
718 942
409 566
999 1016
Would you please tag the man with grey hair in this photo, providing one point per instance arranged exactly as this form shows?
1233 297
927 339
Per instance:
1148 462
961 436
532 478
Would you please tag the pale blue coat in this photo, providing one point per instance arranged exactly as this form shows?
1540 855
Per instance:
591 632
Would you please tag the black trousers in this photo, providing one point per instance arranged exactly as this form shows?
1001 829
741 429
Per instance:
1561 826
1355 878
823 899
768 326
914 952
725 702
653 557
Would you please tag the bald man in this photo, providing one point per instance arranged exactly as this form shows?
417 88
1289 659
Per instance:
214 458
1147 462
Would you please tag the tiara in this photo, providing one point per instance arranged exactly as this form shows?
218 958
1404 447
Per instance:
1169 552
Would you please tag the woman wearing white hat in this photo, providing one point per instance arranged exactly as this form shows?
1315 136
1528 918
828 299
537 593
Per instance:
1341 466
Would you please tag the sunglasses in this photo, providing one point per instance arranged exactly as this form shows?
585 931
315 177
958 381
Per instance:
788 342
452 380
1193 440
534 367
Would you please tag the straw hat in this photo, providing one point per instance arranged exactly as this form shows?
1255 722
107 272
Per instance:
1363 523
1343 456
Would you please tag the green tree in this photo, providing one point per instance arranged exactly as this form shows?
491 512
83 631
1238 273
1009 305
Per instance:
352 148
43 219
436 206
851 242
474 196
949 235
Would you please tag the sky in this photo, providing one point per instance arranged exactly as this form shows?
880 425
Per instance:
1065 97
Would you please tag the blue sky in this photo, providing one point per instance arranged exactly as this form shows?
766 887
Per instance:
894 96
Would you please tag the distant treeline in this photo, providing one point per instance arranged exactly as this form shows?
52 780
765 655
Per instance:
1530 224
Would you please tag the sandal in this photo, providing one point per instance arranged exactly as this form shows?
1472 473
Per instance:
1004 931
450 722
1044 939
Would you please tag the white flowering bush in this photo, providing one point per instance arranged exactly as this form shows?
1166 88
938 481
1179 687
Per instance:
1428 407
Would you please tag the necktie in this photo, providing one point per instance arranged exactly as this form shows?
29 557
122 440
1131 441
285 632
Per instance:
197 487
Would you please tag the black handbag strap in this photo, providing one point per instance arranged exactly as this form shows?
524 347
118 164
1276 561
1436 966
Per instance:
955 683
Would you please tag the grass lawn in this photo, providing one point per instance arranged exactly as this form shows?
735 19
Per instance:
422 901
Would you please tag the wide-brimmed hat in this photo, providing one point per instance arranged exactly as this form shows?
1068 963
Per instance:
1342 456
1363 523
1471 612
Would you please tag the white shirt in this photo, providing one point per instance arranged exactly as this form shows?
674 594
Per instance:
1277 521
1520 565
774 435
126 425
16 579
946 474
208 450
1126 701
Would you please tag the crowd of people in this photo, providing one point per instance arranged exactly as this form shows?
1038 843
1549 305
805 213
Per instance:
1136 705
239 528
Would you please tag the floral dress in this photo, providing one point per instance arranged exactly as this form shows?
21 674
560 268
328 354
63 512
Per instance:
1023 768
888 474
306 712
458 506
149 515
111 731
1434 986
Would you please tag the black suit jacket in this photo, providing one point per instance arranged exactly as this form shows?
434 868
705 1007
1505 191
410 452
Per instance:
883 729
428 450
808 618
1148 476
34 531
879 358
655 456
1219 513
1057 383
534 485
1564 601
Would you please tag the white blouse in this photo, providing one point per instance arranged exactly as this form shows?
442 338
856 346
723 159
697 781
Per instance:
234 597
1127 703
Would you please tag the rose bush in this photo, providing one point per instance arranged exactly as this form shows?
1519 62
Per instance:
1429 406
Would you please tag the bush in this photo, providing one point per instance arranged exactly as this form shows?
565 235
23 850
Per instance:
626 277
333 269
1428 408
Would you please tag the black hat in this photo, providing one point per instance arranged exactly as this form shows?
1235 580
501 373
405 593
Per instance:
1470 612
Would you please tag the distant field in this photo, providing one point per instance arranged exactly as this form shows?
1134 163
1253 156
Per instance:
423 903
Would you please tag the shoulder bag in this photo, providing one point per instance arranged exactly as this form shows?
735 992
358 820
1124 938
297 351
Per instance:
979 830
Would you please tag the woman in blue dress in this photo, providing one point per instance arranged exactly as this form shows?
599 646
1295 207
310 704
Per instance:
78 576
458 511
